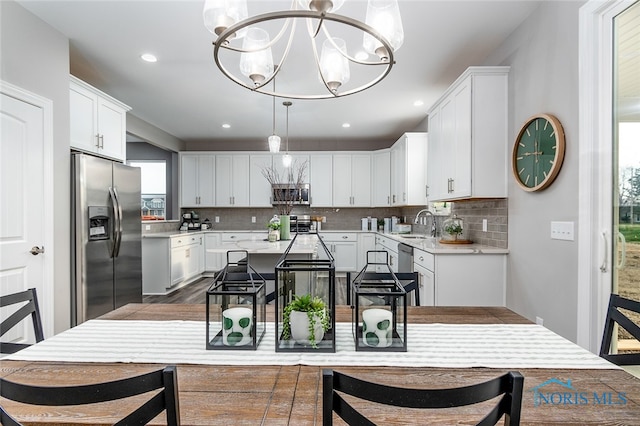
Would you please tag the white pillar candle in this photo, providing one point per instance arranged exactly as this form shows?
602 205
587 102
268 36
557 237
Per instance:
377 327
236 326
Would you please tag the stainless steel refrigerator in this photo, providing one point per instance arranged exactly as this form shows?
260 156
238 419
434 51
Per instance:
106 233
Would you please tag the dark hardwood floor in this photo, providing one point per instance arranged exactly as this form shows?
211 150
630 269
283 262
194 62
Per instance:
197 293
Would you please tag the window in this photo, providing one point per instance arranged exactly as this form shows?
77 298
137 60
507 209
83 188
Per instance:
153 176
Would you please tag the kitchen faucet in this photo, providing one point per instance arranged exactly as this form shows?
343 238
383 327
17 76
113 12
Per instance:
433 220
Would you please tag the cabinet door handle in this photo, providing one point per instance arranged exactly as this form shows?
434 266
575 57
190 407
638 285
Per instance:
404 196
97 140
344 237
388 200
102 141
421 258
426 191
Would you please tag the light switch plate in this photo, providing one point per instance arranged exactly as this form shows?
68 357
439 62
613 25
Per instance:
562 231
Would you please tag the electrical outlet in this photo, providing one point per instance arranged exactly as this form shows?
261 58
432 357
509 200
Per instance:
562 231
539 321
217 219
484 225
253 219
147 227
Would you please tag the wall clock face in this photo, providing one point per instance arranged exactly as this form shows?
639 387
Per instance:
538 152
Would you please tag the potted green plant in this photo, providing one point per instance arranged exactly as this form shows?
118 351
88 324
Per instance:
305 320
274 231
453 227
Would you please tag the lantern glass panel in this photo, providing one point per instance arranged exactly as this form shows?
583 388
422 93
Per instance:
236 308
305 297
379 321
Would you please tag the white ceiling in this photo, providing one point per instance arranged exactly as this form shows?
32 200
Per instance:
186 95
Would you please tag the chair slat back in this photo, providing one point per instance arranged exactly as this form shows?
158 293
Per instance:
509 386
165 380
30 308
614 315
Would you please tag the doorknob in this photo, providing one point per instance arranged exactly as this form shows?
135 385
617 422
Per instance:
35 250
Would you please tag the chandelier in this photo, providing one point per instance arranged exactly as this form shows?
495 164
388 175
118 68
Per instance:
245 46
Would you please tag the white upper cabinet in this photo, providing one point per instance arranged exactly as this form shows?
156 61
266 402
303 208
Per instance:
232 180
197 180
297 161
468 147
259 186
381 178
321 180
352 180
409 170
98 122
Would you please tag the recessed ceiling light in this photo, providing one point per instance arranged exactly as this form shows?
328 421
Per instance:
148 57
418 103
346 125
226 126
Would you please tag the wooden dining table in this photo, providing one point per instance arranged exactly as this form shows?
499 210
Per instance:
292 394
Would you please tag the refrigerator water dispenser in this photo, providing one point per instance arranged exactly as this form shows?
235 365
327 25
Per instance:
98 223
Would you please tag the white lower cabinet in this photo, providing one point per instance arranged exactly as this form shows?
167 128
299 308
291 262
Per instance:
470 279
391 247
423 264
169 263
343 248
212 261
366 242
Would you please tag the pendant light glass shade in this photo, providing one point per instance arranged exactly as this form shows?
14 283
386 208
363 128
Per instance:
257 61
286 160
274 143
220 14
321 5
334 64
384 17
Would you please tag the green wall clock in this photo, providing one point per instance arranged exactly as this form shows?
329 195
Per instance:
538 152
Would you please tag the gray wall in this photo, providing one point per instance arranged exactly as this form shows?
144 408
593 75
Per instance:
542 273
35 57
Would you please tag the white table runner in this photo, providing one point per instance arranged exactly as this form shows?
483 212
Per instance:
429 345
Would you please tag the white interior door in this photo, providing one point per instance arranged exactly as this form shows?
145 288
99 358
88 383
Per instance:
23 201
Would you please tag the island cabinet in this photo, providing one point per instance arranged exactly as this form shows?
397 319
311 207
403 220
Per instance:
321 180
343 246
169 263
409 170
213 262
381 178
470 279
97 121
468 146
197 180
232 180
352 180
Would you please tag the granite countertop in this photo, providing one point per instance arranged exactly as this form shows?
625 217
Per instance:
304 244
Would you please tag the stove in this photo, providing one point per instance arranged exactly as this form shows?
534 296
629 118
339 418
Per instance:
300 223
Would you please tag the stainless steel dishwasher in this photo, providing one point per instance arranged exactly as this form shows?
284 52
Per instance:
405 258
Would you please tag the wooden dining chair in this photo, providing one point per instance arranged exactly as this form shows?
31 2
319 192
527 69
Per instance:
30 308
615 316
166 400
508 385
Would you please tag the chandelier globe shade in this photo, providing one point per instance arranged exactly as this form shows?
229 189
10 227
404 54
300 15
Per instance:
301 42
334 66
384 15
218 15
256 62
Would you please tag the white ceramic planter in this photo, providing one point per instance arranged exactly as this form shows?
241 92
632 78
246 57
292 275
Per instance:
299 323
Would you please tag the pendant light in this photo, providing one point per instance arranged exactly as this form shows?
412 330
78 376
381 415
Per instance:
286 158
274 140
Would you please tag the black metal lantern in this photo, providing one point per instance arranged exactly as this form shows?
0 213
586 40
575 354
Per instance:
305 297
379 319
236 306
